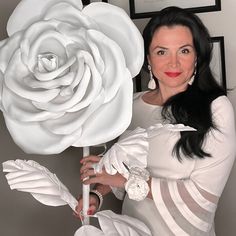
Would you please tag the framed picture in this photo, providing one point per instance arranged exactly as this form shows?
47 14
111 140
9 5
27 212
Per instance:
86 2
148 8
217 66
218 60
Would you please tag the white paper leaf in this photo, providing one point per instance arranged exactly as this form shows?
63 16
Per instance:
31 177
157 128
115 225
130 150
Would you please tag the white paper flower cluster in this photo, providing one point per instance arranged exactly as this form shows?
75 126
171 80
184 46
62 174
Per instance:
66 74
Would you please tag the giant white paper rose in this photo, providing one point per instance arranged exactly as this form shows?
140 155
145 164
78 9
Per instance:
66 74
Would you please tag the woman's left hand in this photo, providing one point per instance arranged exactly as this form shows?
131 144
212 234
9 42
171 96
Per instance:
87 170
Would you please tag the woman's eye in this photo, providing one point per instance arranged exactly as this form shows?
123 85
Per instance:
185 51
160 52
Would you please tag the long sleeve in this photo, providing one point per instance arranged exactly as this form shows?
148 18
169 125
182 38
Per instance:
188 204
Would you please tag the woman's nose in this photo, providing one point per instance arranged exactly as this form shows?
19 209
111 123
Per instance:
174 62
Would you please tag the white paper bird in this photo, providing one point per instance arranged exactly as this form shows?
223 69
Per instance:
31 177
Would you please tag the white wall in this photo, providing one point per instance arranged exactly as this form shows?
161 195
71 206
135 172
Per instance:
21 215
222 23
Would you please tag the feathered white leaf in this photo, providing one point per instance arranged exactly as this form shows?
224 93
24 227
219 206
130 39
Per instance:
130 150
114 224
158 128
31 177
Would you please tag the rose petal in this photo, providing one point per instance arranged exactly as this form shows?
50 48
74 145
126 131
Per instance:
85 87
37 140
1 88
77 36
116 24
29 11
71 121
8 47
112 121
65 80
114 63
23 109
40 38
54 74
65 12
95 50
2 42
14 75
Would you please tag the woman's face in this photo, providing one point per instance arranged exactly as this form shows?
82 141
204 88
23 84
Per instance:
172 57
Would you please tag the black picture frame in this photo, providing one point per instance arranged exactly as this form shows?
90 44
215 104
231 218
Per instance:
153 7
218 61
217 66
86 2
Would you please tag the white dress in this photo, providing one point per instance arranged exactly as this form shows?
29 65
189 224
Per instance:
185 194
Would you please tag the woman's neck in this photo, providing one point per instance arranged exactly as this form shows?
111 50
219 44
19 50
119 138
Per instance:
163 93
159 96
153 97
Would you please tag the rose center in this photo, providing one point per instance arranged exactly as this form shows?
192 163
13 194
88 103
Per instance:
47 62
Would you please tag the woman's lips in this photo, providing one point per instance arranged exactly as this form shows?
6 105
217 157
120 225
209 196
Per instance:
173 74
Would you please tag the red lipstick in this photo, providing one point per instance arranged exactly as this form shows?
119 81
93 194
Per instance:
172 74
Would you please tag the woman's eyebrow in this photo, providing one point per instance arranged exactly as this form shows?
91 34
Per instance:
187 45
159 47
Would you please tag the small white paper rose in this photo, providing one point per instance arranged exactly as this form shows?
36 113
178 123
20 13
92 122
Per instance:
66 74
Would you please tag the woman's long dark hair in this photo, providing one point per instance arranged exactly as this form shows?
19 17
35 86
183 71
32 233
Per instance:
193 106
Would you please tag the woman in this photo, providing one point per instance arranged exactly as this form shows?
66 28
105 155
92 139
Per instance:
188 169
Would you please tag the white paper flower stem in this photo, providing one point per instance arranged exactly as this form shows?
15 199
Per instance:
86 189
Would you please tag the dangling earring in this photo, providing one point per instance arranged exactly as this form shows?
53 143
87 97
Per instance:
190 82
151 83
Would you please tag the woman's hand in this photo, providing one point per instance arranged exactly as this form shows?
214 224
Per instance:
88 175
93 206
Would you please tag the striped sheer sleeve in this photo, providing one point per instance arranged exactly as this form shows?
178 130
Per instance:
188 205
184 207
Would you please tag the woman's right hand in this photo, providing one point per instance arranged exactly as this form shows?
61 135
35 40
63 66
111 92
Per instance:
93 206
